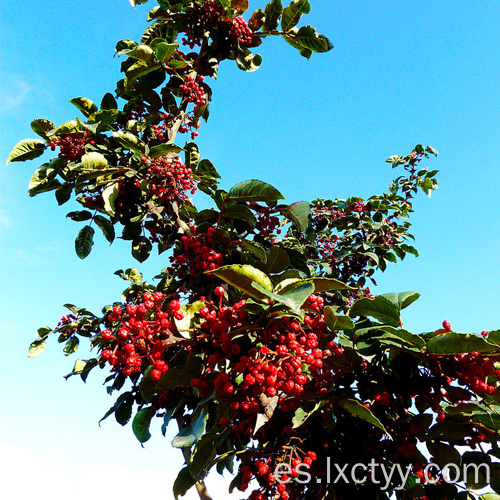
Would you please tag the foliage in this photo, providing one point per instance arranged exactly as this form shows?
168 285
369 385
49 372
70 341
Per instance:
260 338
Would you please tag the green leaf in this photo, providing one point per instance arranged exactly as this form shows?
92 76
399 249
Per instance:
291 40
402 300
123 411
147 386
309 39
242 277
379 308
181 374
458 343
272 12
184 480
41 127
71 346
293 12
301 415
298 213
207 169
84 242
36 348
293 299
320 284
63 193
163 51
80 216
163 149
337 321
356 408
141 248
390 333
106 116
490 496
43 179
86 106
94 161
247 61
240 4
254 190
109 196
191 433
254 248
141 422
70 127
204 453
141 52
240 212
108 102
106 227
27 149
185 325
277 260
130 141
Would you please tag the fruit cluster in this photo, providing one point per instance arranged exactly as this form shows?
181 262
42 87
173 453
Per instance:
192 91
72 146
137 334
266 223
241 31
169 179
195 255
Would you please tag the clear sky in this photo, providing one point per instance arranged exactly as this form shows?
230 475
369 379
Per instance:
401 73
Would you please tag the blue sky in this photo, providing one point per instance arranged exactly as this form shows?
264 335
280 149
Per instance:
401 73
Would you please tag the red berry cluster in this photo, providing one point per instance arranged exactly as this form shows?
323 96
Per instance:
287 464
72 146
241 31
135 338
266 223
195 255
192 91
169 179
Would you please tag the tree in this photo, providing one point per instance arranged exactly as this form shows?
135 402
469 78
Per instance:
261 339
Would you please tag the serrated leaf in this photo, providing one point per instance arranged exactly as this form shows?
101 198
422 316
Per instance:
242 277
27 149
293 12
254 190
86 106
84 242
